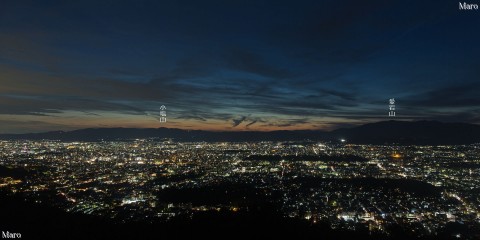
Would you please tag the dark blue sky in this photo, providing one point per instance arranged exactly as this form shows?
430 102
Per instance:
235 65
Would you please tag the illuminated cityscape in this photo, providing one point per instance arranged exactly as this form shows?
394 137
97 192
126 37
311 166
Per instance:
421 189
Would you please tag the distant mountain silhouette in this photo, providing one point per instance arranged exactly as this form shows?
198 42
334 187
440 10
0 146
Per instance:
419 132
389 132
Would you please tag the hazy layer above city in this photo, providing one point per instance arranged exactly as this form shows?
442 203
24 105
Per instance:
388 132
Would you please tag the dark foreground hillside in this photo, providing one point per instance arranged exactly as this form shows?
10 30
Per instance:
36 221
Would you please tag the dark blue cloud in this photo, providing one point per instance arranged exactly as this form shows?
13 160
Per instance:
262 63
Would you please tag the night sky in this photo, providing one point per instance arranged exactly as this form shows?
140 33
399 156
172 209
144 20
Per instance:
235 65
